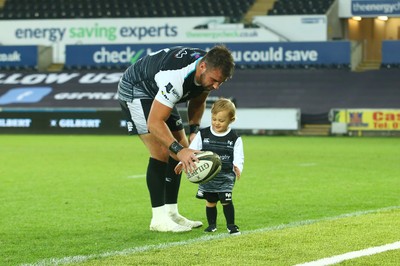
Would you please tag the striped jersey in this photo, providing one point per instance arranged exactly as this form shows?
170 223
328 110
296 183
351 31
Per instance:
167 75
229 147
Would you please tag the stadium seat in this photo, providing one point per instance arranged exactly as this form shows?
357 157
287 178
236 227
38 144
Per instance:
300 7
47 9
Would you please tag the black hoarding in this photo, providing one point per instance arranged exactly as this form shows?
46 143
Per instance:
59 90
78 121
71 103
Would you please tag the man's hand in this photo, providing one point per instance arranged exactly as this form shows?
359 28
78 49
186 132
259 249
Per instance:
187 157
178 168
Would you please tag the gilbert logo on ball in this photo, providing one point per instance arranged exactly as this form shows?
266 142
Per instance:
199 170
208 166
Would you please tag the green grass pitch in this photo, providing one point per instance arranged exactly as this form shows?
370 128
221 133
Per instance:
83 200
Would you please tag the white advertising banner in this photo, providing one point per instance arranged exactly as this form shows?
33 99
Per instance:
302 28
60 32
262 119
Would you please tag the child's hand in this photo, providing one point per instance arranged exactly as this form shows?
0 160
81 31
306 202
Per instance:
178 168
237 172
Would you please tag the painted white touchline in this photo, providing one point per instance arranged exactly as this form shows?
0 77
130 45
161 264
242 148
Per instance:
307 164
137 176
130 251
352 255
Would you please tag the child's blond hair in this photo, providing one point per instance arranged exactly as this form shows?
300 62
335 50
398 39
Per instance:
224 104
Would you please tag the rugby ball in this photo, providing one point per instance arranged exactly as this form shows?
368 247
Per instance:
207 167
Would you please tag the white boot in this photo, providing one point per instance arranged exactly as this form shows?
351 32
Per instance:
161 222
172 211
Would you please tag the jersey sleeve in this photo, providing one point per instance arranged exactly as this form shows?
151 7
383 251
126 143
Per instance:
196 143
238 154
170 87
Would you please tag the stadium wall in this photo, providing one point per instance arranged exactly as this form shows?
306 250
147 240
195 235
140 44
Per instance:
57 34
61 102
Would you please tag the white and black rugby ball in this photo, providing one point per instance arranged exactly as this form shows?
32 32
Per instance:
207 167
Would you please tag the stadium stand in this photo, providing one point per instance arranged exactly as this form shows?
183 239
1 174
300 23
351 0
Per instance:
49 9
300 7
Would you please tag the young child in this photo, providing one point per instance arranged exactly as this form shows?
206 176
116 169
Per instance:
224 141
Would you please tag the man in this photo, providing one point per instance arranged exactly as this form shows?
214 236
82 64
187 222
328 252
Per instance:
148 92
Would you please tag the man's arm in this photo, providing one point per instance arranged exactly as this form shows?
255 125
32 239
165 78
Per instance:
159 113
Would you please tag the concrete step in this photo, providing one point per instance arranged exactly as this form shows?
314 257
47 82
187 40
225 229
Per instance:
368 65
55 67
259 8
315 130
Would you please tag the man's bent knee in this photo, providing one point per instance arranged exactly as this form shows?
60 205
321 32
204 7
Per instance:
156 149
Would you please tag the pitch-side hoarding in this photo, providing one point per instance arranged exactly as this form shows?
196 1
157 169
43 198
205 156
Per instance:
277 53
56 33
390 52
19 56
86 102
368 119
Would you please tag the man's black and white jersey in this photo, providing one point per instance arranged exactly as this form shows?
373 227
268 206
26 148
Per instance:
229 147
166 75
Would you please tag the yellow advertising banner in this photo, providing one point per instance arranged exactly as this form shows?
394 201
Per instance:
369 119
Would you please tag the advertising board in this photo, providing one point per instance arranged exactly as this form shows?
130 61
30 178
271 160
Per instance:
19 56
368 119
57 33
261 53
390 52
369 8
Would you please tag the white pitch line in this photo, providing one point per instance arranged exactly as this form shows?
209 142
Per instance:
130 251
352 255
307 164
137 176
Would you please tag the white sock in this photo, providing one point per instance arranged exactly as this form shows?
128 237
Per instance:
172 209
159 213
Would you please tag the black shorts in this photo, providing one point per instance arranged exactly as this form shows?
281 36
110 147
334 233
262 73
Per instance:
137 112
214 197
